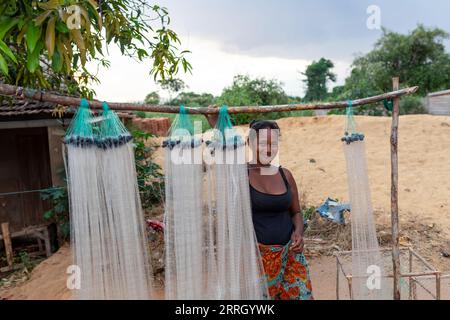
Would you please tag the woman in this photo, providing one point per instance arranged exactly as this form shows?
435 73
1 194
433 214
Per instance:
277 217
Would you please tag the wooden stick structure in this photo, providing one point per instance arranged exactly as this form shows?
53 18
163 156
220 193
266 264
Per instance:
211 112
8 244
394 193
38 95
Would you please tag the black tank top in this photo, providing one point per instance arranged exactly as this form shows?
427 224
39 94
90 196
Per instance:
271 216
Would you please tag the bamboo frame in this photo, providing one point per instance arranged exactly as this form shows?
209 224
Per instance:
32 94
211 112
394 192
413 276
6 236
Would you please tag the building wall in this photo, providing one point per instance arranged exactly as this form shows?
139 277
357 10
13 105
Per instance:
24 170
439 103
55 136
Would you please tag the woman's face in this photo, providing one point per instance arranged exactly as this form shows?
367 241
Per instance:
264 143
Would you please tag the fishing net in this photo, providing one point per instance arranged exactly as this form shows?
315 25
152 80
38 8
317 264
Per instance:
238 273
368 275
184 233
107 227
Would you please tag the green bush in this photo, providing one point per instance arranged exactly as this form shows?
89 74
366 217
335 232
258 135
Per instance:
412 105
59 212
246 118
149 176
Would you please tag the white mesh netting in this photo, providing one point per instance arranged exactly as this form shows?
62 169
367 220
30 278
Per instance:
184 233
211 249
366 258
107 227
239 268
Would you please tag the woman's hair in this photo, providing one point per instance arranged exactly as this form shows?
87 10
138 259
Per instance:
263 124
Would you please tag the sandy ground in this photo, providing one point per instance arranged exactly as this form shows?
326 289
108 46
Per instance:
311 148
424 163
48 280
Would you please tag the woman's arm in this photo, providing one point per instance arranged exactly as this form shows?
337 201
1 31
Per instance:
297 217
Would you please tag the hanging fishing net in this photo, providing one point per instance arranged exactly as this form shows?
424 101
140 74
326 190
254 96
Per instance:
368 275
107 227
238 273
184 233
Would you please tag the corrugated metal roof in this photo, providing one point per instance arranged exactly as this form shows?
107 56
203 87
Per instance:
15 107
439 93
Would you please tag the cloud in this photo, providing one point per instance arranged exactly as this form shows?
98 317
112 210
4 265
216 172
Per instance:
299 29
272 39
214 69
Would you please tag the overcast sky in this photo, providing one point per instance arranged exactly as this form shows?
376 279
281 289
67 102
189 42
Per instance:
268 38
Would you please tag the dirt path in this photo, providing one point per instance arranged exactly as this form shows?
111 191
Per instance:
48 280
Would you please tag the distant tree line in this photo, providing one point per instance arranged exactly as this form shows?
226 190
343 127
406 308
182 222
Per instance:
418 58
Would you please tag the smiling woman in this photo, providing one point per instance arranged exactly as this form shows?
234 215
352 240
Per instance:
277 217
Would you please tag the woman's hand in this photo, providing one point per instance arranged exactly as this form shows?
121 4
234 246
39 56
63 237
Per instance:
297 242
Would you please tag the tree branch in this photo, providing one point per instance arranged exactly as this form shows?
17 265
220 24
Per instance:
33 94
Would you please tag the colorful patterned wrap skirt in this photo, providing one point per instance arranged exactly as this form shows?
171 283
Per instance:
286 273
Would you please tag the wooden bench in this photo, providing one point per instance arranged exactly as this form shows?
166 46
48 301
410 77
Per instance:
40 233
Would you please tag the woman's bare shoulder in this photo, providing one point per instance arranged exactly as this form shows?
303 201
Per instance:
288 174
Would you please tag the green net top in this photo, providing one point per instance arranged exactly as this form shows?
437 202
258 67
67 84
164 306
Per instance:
225 135
111 131
106 131
181 132
351 134
80 132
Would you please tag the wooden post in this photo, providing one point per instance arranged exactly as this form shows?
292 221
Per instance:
8 244
337 279
410 271
438 286
394 193
212 119
48 248
32 94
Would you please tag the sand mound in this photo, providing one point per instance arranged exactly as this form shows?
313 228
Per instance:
311 149
47 281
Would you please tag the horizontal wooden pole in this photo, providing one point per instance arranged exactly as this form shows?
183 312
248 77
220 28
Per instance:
32 94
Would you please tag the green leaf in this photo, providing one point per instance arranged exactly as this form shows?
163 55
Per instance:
3 65
45 195
33 34
6 50
62 27
48 215
57 62
33 58
7 24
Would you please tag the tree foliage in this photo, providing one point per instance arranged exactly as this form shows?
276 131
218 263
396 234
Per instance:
193 99
48 44
172 85
317 74
418 58
245 91
150 179
152 98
